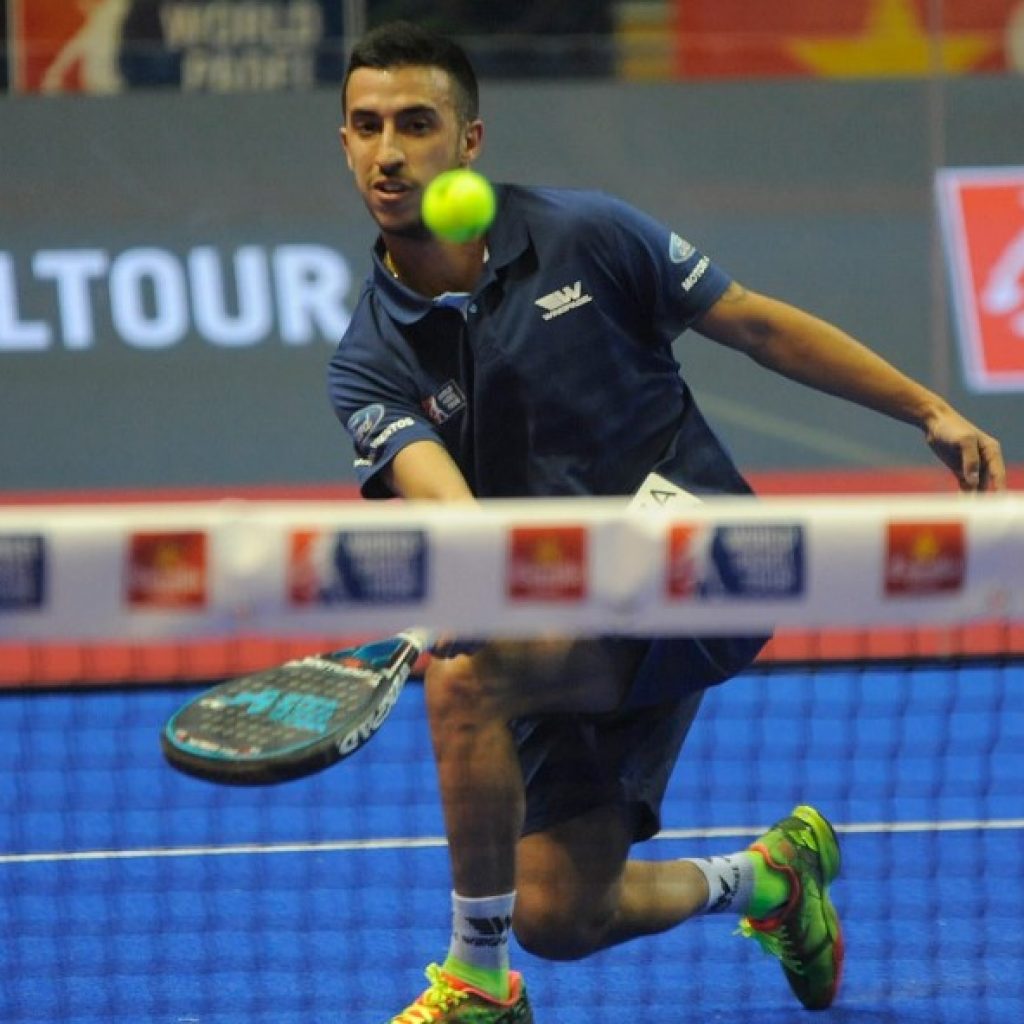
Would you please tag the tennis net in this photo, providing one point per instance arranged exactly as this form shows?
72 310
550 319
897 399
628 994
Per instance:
128 892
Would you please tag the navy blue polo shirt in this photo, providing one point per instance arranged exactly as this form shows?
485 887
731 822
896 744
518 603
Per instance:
556 376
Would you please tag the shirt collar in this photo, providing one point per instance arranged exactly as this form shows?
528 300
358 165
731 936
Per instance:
507 239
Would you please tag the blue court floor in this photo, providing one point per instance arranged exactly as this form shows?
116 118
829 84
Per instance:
129 893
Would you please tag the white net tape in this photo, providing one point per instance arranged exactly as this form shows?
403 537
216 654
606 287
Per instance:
509 568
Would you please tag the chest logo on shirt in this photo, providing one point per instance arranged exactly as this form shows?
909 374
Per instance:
444 403
562 300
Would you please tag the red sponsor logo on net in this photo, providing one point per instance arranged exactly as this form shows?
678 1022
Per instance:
547 563
305 567
681 575
167 570
925 558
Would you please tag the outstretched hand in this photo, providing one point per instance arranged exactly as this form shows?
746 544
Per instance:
975 457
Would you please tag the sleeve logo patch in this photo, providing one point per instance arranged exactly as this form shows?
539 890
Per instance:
679 249
363 423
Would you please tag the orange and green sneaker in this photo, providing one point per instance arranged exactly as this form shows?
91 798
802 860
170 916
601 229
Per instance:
451 1001
804 933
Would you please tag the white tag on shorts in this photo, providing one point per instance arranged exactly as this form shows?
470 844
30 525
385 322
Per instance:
656 492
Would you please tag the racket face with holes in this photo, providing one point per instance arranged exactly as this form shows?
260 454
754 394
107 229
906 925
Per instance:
293 720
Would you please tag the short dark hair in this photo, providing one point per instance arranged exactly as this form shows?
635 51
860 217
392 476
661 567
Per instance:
403 44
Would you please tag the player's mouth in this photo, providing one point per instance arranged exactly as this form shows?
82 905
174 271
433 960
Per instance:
392 192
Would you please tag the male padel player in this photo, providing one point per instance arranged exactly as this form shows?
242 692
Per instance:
537 362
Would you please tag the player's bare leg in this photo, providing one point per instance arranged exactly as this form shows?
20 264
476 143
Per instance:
470 701
578 893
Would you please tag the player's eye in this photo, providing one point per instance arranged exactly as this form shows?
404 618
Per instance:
418 124
365 126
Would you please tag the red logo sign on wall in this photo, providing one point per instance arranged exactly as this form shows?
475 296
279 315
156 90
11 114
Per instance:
67 47
166 570
924 558
982 213
547 563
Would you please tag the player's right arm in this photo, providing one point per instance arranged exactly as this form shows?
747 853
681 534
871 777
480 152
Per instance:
424 471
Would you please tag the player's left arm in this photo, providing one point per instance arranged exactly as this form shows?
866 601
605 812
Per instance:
812 351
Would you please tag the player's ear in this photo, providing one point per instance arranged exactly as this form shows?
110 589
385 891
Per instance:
472 141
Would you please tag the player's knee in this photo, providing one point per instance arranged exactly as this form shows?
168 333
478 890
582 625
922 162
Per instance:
548 927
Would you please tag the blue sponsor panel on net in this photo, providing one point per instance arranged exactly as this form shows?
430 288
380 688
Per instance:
23 572
338 567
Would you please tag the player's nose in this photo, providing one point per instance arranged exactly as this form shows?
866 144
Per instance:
390 155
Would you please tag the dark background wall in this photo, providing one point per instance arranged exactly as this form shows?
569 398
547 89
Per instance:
819 192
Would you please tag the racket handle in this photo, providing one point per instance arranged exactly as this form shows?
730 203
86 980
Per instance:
420 637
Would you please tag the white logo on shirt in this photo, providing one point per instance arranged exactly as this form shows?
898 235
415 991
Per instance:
562 300
390 430
696 274
441 406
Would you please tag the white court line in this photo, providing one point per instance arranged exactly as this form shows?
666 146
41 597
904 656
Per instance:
425 842
863 827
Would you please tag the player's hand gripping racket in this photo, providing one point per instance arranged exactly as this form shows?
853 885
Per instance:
293 720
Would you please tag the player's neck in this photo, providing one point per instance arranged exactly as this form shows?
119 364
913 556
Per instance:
431 267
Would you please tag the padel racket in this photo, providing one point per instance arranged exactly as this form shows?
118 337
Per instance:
294 720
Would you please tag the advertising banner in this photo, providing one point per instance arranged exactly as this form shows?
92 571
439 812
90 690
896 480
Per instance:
982 215
857 38
106 46
280 569
4 62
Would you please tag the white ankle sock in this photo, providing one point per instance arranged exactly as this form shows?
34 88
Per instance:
480 930
730 882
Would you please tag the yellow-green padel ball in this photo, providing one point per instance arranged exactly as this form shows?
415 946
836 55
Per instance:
458 205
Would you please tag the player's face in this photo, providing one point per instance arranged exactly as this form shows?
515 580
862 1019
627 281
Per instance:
402 128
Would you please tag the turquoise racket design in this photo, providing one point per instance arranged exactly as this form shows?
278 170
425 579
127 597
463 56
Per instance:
294 720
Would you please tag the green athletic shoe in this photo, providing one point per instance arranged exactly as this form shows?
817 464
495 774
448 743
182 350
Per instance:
804 933
451 1001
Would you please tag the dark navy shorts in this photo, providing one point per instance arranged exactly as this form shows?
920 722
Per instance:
573 764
